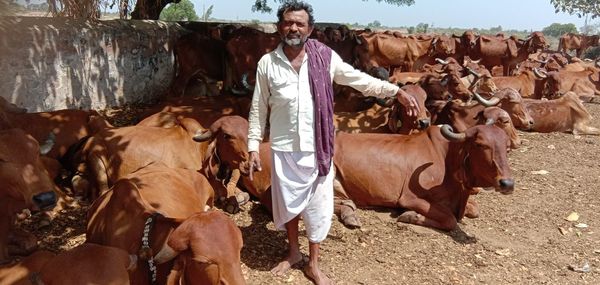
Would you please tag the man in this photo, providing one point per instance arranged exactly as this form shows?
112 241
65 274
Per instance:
295 82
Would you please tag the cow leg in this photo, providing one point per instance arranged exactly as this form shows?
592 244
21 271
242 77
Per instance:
344 207
99 172
424 213
472 209
584 129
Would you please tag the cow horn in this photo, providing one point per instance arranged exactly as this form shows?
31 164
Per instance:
598 63
470 70
245 82
587 59
450 135
538 73
440 61
202 136
476 61
540 61
165 254
48 144
485 102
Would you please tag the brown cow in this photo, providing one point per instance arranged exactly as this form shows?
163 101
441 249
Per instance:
25 182
585 82
245 48
69 126
564 114
390 52
113 153
431 175
579 43
508 52
120 218
524 82
85 264
198 56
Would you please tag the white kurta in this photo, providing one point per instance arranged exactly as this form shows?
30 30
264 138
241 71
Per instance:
298 190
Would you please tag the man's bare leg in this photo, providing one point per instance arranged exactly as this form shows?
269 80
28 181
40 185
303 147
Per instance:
312 269
294 254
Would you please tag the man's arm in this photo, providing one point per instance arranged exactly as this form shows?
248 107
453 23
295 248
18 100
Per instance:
345 74
259 109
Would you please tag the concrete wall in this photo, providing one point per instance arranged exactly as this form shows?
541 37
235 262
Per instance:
56 63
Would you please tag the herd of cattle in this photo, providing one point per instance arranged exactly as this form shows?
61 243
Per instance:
152 186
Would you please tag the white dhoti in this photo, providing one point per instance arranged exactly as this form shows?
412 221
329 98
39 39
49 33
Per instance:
297 189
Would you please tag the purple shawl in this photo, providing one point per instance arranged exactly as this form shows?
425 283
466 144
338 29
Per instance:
319 60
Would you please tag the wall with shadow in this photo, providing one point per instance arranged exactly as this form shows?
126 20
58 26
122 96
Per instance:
56 63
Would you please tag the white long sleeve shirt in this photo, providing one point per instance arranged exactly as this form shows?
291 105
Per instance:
287 94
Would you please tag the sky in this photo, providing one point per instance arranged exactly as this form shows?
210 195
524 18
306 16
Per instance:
510 14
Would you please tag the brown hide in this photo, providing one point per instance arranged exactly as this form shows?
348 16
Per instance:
198 56
245 48
585 82
564 114
524 83
204 109
24 181
211 243
424 173
390 52
117 218
20 272
88 264
579 43
69 126
114 153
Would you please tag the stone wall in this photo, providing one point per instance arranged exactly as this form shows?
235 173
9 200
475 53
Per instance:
55 63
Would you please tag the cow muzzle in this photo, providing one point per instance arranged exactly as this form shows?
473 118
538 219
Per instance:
423 123
45 201
506 186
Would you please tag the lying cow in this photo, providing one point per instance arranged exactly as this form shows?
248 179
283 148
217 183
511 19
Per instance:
565 114
25 183
85 264
431 175
172 202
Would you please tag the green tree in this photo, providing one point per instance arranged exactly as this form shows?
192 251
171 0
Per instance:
578 7
422 28
374 24
182 11
556 29
263 6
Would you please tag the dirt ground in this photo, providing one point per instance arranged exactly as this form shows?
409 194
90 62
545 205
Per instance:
523 238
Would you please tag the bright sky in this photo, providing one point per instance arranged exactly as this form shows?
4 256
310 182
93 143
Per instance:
510 14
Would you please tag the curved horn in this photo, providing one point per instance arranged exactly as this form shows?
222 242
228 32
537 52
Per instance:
245 82
470 70
450 135
202 136
540 61
485 102
538 73
476 61
165 254
440 61
48 144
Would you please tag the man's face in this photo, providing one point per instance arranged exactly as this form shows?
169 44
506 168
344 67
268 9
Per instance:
294 28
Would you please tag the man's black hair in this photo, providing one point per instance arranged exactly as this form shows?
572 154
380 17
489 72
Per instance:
293 5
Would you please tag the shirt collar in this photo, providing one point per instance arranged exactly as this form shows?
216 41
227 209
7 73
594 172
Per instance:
279 52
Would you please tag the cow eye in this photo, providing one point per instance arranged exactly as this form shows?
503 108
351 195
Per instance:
226 136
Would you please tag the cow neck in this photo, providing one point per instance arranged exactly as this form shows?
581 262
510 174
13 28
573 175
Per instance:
458 163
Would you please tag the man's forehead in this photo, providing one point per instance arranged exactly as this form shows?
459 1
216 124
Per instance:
295 15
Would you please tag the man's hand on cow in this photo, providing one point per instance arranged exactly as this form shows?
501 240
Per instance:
254 163
409 102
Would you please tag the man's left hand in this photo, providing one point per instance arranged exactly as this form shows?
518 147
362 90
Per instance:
409 102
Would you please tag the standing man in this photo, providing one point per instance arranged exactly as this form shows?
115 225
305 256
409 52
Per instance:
295 82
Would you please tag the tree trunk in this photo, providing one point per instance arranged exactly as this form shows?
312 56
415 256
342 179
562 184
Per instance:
149 9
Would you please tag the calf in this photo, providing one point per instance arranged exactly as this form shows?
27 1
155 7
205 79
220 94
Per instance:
564 114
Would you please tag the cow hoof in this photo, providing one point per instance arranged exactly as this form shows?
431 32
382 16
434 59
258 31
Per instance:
242 198
350 219
409 217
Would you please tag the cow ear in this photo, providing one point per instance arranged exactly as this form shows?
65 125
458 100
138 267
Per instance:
179 240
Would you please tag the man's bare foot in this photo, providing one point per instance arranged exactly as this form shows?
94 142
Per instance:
317 276
286 264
